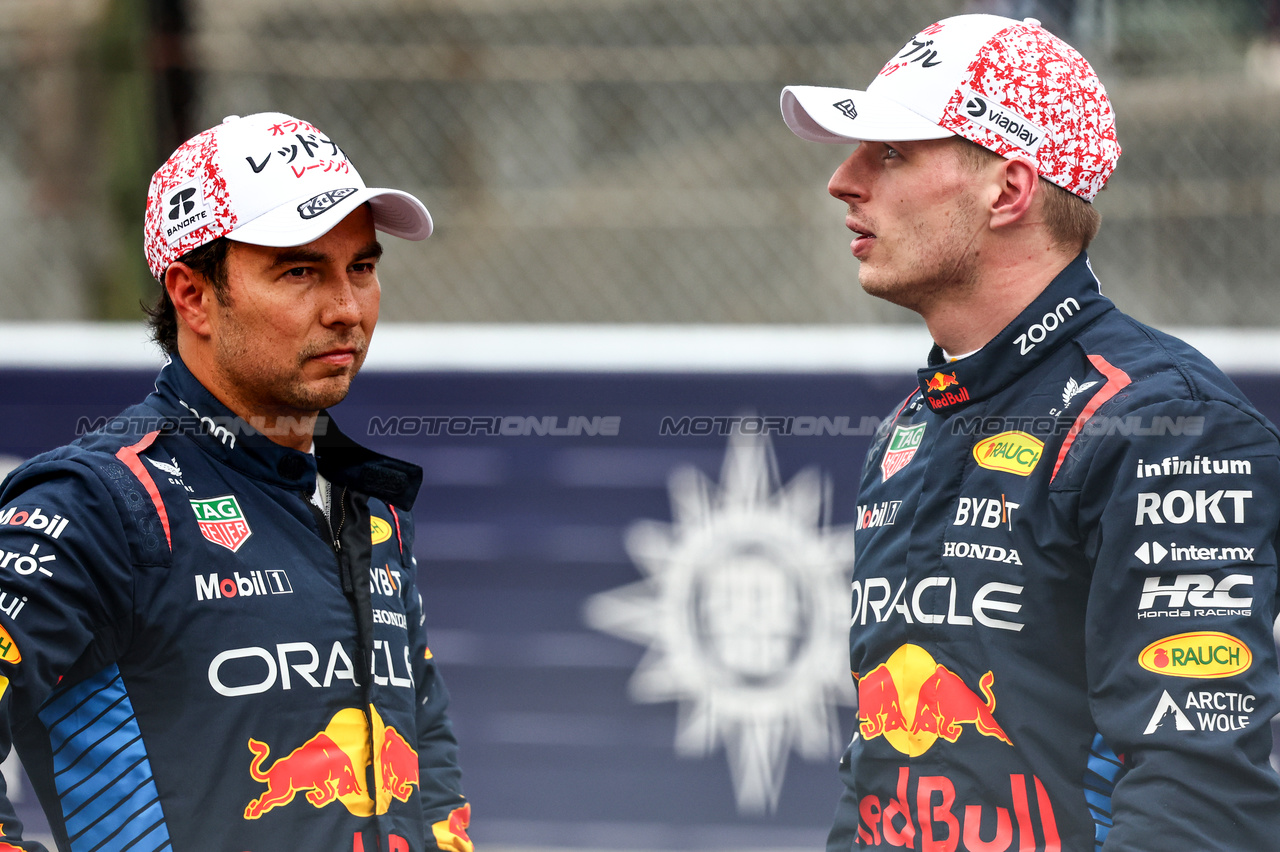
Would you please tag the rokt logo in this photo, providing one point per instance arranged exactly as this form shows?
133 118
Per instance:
1180 507
911 685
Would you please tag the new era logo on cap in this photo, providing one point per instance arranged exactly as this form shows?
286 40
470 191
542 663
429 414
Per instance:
1010 86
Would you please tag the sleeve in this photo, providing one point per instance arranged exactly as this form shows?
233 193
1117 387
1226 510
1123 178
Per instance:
65 569
1178 514
447 811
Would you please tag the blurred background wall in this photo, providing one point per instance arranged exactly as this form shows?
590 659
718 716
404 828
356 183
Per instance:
611 160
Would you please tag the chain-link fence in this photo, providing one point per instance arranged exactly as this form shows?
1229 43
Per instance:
612 160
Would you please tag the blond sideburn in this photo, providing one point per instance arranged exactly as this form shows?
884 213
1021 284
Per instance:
1072 221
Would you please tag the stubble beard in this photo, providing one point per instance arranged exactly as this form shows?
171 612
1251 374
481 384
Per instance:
284 392
943 270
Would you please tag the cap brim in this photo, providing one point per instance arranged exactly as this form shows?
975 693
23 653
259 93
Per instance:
812 114
394 212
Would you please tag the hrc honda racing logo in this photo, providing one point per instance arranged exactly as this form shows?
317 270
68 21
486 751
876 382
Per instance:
1188 595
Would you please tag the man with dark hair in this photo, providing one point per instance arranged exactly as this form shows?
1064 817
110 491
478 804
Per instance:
1063 638
214 639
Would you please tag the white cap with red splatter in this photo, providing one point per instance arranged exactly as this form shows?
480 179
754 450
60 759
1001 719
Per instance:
1010 86
267 179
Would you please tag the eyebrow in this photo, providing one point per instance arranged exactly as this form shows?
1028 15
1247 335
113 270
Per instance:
295 254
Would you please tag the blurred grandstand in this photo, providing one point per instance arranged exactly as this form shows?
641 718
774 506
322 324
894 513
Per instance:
611 161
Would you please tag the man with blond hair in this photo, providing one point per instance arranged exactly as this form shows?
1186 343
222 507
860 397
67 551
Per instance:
1062 638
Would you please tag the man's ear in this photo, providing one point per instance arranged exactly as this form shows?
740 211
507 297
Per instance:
191 294
1018 185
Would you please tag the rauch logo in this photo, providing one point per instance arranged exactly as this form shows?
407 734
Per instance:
1011 452
1199 655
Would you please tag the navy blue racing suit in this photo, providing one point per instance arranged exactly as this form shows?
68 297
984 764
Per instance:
195 656
1063 599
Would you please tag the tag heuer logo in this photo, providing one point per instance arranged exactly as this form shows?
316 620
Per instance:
902 448
222 522
314 207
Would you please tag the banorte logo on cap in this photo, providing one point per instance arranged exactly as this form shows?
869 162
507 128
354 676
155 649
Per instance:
203 215
1028 92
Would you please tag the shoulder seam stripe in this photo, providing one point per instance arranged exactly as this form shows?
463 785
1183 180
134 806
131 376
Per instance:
1117 380
129 455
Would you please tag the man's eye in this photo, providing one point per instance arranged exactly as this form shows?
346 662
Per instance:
891 153
297 272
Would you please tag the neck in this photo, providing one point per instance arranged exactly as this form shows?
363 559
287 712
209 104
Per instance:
288 427
967 321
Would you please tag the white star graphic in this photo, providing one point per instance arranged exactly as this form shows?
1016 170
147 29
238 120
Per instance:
744 608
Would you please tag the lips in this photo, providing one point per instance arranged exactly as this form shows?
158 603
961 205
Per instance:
863 238
337 356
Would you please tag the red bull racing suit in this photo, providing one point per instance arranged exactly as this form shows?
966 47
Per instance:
1063 599
196 656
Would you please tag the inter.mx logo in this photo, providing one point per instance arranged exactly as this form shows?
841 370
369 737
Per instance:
222 522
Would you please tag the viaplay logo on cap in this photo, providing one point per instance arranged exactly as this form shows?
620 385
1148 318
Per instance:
313 207
1014 128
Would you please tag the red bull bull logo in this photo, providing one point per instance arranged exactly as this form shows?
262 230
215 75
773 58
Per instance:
451 833
945 398
6 847
331 766
911 700
941 381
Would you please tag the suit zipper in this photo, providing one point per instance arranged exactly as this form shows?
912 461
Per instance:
336 532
